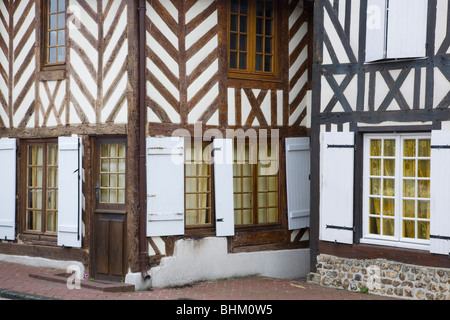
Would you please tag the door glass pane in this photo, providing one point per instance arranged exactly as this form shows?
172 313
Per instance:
112 173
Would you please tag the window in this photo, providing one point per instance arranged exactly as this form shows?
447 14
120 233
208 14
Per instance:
256 185
397 188
252 37
198 188
396 29
112 173
41 187
54 33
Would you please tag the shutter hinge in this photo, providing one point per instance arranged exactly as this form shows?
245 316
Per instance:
432 236
341 228
440 147
342 146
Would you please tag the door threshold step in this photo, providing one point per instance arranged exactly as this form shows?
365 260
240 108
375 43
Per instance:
102 285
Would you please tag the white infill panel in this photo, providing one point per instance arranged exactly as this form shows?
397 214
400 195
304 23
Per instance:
298 182
7 188
69 192
223 187
439 192
165 186
336 193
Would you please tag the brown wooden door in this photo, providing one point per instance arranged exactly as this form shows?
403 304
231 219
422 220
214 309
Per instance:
110 214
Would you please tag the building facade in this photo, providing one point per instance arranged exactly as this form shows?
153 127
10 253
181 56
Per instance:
380 127
157 142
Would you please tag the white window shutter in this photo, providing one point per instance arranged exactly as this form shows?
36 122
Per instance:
407 29
336 192
165 186
440 190
69 192
223 187
8 188
376 30
298 182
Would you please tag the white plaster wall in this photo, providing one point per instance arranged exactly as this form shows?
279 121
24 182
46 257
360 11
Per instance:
207 259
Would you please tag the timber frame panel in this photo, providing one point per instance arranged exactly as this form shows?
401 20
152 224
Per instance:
350 95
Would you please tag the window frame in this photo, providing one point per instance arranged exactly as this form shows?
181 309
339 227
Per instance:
398 240
250 73
255 191
44 41
43 234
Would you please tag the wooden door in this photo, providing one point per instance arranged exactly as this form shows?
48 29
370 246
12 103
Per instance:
109 259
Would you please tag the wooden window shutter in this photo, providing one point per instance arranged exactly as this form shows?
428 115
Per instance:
8 188
407 23
376 30
298 182
440 190
223 187
165 186
69 192
336 193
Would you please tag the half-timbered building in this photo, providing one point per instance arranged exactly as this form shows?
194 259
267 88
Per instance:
380 127
160 139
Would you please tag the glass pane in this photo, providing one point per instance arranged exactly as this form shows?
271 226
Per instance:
247 200
233 60
262 200
260 8
121 165
388 227
104 180
121 196
374 225
259 44
268 64
409 148
258 62
247 169
104 165
388 207
234 6
247 184
262 184
244 6
423 230
51 177
375 167
268 46
51 195
237 184
423 188
423 209
233 23
389 148
61 54
191 217
375 187
113 180
409 229
243 24
409 208
103 195
61 21
61 37
409 188
52 41
104 150
269 9
113 165
272 199
247 216
113 196
424 147
273 215
53 6
242 61
262 215
423 168
52 155
122 150
53 23
243 42
259 26
52 221
389 167
389 187
375 148
268 28
62 5
121 181
52 55
409 168
273 183
374 206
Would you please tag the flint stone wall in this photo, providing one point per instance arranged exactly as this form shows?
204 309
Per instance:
383 277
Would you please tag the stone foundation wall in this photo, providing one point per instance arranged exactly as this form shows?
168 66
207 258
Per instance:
383 277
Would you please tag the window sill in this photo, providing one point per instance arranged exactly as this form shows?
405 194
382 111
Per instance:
395 243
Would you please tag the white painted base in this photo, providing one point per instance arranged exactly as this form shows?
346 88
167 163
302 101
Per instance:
42 262
208 259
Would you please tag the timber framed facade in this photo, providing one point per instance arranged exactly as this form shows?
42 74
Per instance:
380 130
85 138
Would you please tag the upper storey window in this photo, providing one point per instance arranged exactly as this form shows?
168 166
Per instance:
54 37
252 38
